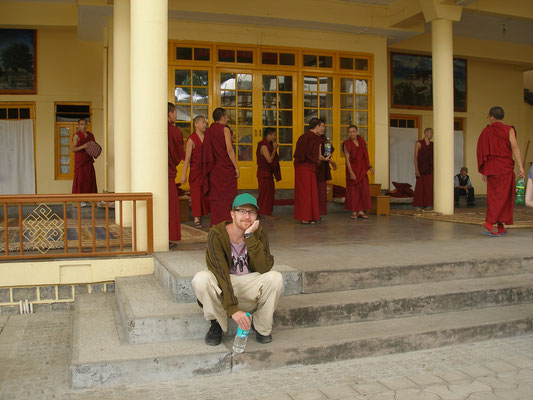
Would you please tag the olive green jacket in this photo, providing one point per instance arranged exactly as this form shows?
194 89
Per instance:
219 262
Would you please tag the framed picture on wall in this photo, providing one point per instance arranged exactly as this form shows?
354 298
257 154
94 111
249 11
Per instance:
412 86
18 66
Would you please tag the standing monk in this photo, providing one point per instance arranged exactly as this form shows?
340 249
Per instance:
495 148
175 155
193 157
323 175
219 167
84 175
267 169
307 155
357 166
424 171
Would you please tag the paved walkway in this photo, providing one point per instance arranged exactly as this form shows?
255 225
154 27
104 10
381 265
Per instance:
35 355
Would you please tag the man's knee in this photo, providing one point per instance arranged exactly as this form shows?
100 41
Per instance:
274 278
202 280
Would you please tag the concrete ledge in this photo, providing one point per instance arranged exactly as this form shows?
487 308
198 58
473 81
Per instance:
331 308
317 345
362 278
99 359
175 271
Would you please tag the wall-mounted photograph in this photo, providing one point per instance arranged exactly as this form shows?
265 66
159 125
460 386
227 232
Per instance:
412 82
18 66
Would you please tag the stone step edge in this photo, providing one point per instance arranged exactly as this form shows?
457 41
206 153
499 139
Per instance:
361 278
323 344
180 289
191 323
312 342
99 359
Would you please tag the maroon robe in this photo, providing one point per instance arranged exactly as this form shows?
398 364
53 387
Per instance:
84 175
305 169
265 178
495 161
424 183
220 183
323 175
175 155
358 190
199 205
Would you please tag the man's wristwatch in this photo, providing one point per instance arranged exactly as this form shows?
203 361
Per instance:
247 235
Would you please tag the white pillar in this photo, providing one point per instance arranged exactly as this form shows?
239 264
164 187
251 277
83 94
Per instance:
121 105
442 55
149 140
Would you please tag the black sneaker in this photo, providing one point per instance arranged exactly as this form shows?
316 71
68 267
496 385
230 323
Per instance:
262 338
213 336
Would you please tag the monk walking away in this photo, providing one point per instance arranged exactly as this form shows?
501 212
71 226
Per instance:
357 166
423 160
219 167
193 159
495 149
307 155
175 155
267 169
84 174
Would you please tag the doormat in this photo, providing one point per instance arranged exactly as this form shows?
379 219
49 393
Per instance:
523 216
191 235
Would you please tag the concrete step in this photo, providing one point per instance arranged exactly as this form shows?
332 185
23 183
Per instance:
176 269
319 309
148 315
331 280
99 359
316 345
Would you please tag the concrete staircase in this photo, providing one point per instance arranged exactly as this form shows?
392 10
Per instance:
151 329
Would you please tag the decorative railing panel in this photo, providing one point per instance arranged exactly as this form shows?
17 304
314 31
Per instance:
74 225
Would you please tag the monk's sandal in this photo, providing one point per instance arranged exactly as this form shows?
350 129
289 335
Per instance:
214 334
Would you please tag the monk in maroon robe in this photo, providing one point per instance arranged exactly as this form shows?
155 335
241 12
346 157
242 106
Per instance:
307 155
323 175
267 169
424 171
175 155
495 148
219 167
193 158
84 175
357 165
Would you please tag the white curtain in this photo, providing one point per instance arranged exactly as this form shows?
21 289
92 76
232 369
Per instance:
402 150
17 166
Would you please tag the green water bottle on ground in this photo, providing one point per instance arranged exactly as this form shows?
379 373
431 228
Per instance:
519 194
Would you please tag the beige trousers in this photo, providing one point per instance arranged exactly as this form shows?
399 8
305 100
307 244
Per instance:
257 293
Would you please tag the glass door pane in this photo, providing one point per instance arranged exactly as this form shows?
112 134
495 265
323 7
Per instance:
277 110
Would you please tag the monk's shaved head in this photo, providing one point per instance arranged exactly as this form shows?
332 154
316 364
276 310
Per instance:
497 113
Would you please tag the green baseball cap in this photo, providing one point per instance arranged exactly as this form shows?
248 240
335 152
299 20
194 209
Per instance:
242 199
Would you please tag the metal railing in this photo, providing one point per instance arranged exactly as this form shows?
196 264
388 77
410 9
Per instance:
40 225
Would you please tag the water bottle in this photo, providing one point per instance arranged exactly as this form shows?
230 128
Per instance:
327 149
519 194
240 339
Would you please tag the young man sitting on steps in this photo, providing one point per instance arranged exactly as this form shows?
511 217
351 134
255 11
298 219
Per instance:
239 278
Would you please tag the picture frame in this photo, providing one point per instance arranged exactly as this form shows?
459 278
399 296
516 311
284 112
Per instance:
18 61
412 85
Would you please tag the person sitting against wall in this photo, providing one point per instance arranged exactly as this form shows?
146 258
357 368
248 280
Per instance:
463 187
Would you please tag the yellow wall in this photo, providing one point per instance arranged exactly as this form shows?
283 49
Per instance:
489 83
81 270
274 36
67 70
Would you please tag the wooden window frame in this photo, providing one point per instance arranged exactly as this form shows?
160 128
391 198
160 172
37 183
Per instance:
58 176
